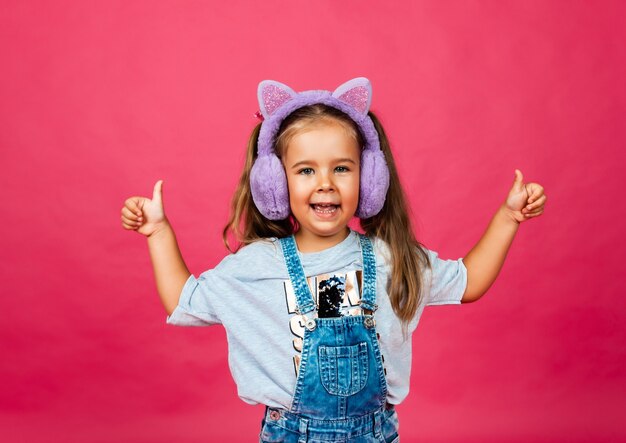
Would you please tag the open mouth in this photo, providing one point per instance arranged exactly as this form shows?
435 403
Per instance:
324 208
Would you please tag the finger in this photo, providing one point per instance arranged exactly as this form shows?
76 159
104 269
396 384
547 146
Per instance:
129 227
130 215
131 221
518 182
534 191
128 224
540 202
536 213
133 205
157 194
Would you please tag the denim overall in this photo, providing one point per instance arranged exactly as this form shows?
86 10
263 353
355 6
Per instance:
341 391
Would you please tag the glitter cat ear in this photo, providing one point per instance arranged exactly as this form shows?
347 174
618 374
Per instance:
356 93
272 95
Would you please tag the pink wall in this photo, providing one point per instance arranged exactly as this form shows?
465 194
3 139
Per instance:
101 99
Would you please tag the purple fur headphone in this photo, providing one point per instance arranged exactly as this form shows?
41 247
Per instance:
268 180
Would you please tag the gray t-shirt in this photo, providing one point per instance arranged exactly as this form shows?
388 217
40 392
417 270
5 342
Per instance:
250 294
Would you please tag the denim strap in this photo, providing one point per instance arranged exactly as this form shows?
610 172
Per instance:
304 424
304 298
368 295
378 417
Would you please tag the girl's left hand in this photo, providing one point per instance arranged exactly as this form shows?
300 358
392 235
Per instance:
525 200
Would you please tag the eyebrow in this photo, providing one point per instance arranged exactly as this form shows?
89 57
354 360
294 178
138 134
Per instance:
308 162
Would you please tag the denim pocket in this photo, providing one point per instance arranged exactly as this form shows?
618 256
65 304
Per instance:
272 433
344 369
390 426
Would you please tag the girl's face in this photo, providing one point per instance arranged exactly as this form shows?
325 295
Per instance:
323 172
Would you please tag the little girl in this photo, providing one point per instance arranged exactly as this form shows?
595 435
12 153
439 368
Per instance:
318 316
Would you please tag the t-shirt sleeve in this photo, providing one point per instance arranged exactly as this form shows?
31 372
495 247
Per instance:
195 305
448 281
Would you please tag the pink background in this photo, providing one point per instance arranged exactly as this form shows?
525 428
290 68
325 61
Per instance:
99 100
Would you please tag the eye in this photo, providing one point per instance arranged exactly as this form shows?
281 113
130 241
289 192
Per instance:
341 169
306 171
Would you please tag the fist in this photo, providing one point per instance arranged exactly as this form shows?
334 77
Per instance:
144 215
525 200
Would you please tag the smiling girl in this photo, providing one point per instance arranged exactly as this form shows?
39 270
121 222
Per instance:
319 316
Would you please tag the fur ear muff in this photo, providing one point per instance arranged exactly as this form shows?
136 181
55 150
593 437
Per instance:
356 93
272 95
268 184
374 183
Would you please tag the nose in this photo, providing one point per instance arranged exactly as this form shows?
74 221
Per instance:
325 183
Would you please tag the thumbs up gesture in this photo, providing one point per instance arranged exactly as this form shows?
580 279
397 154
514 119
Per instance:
525 200
144 215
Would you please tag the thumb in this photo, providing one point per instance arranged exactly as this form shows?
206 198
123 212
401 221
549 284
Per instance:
157 194
518 183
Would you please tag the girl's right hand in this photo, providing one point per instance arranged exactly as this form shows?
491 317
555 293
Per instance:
144 215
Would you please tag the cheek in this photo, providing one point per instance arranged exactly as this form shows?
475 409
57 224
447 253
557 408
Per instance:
356 185
350 191
297 188
290 183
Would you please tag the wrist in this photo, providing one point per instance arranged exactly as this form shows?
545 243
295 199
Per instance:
509 215
160 228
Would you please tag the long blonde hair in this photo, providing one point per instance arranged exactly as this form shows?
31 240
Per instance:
392 224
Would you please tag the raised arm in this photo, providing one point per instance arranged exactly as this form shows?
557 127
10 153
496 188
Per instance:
147 217
485 259
170 270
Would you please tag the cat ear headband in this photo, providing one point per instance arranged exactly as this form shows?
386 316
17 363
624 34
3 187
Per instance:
268 181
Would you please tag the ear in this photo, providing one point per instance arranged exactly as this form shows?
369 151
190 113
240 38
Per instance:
272 95
356 93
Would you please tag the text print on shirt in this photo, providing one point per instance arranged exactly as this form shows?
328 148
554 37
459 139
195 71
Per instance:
336 295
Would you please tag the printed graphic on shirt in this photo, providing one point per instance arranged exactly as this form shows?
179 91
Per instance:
335 295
